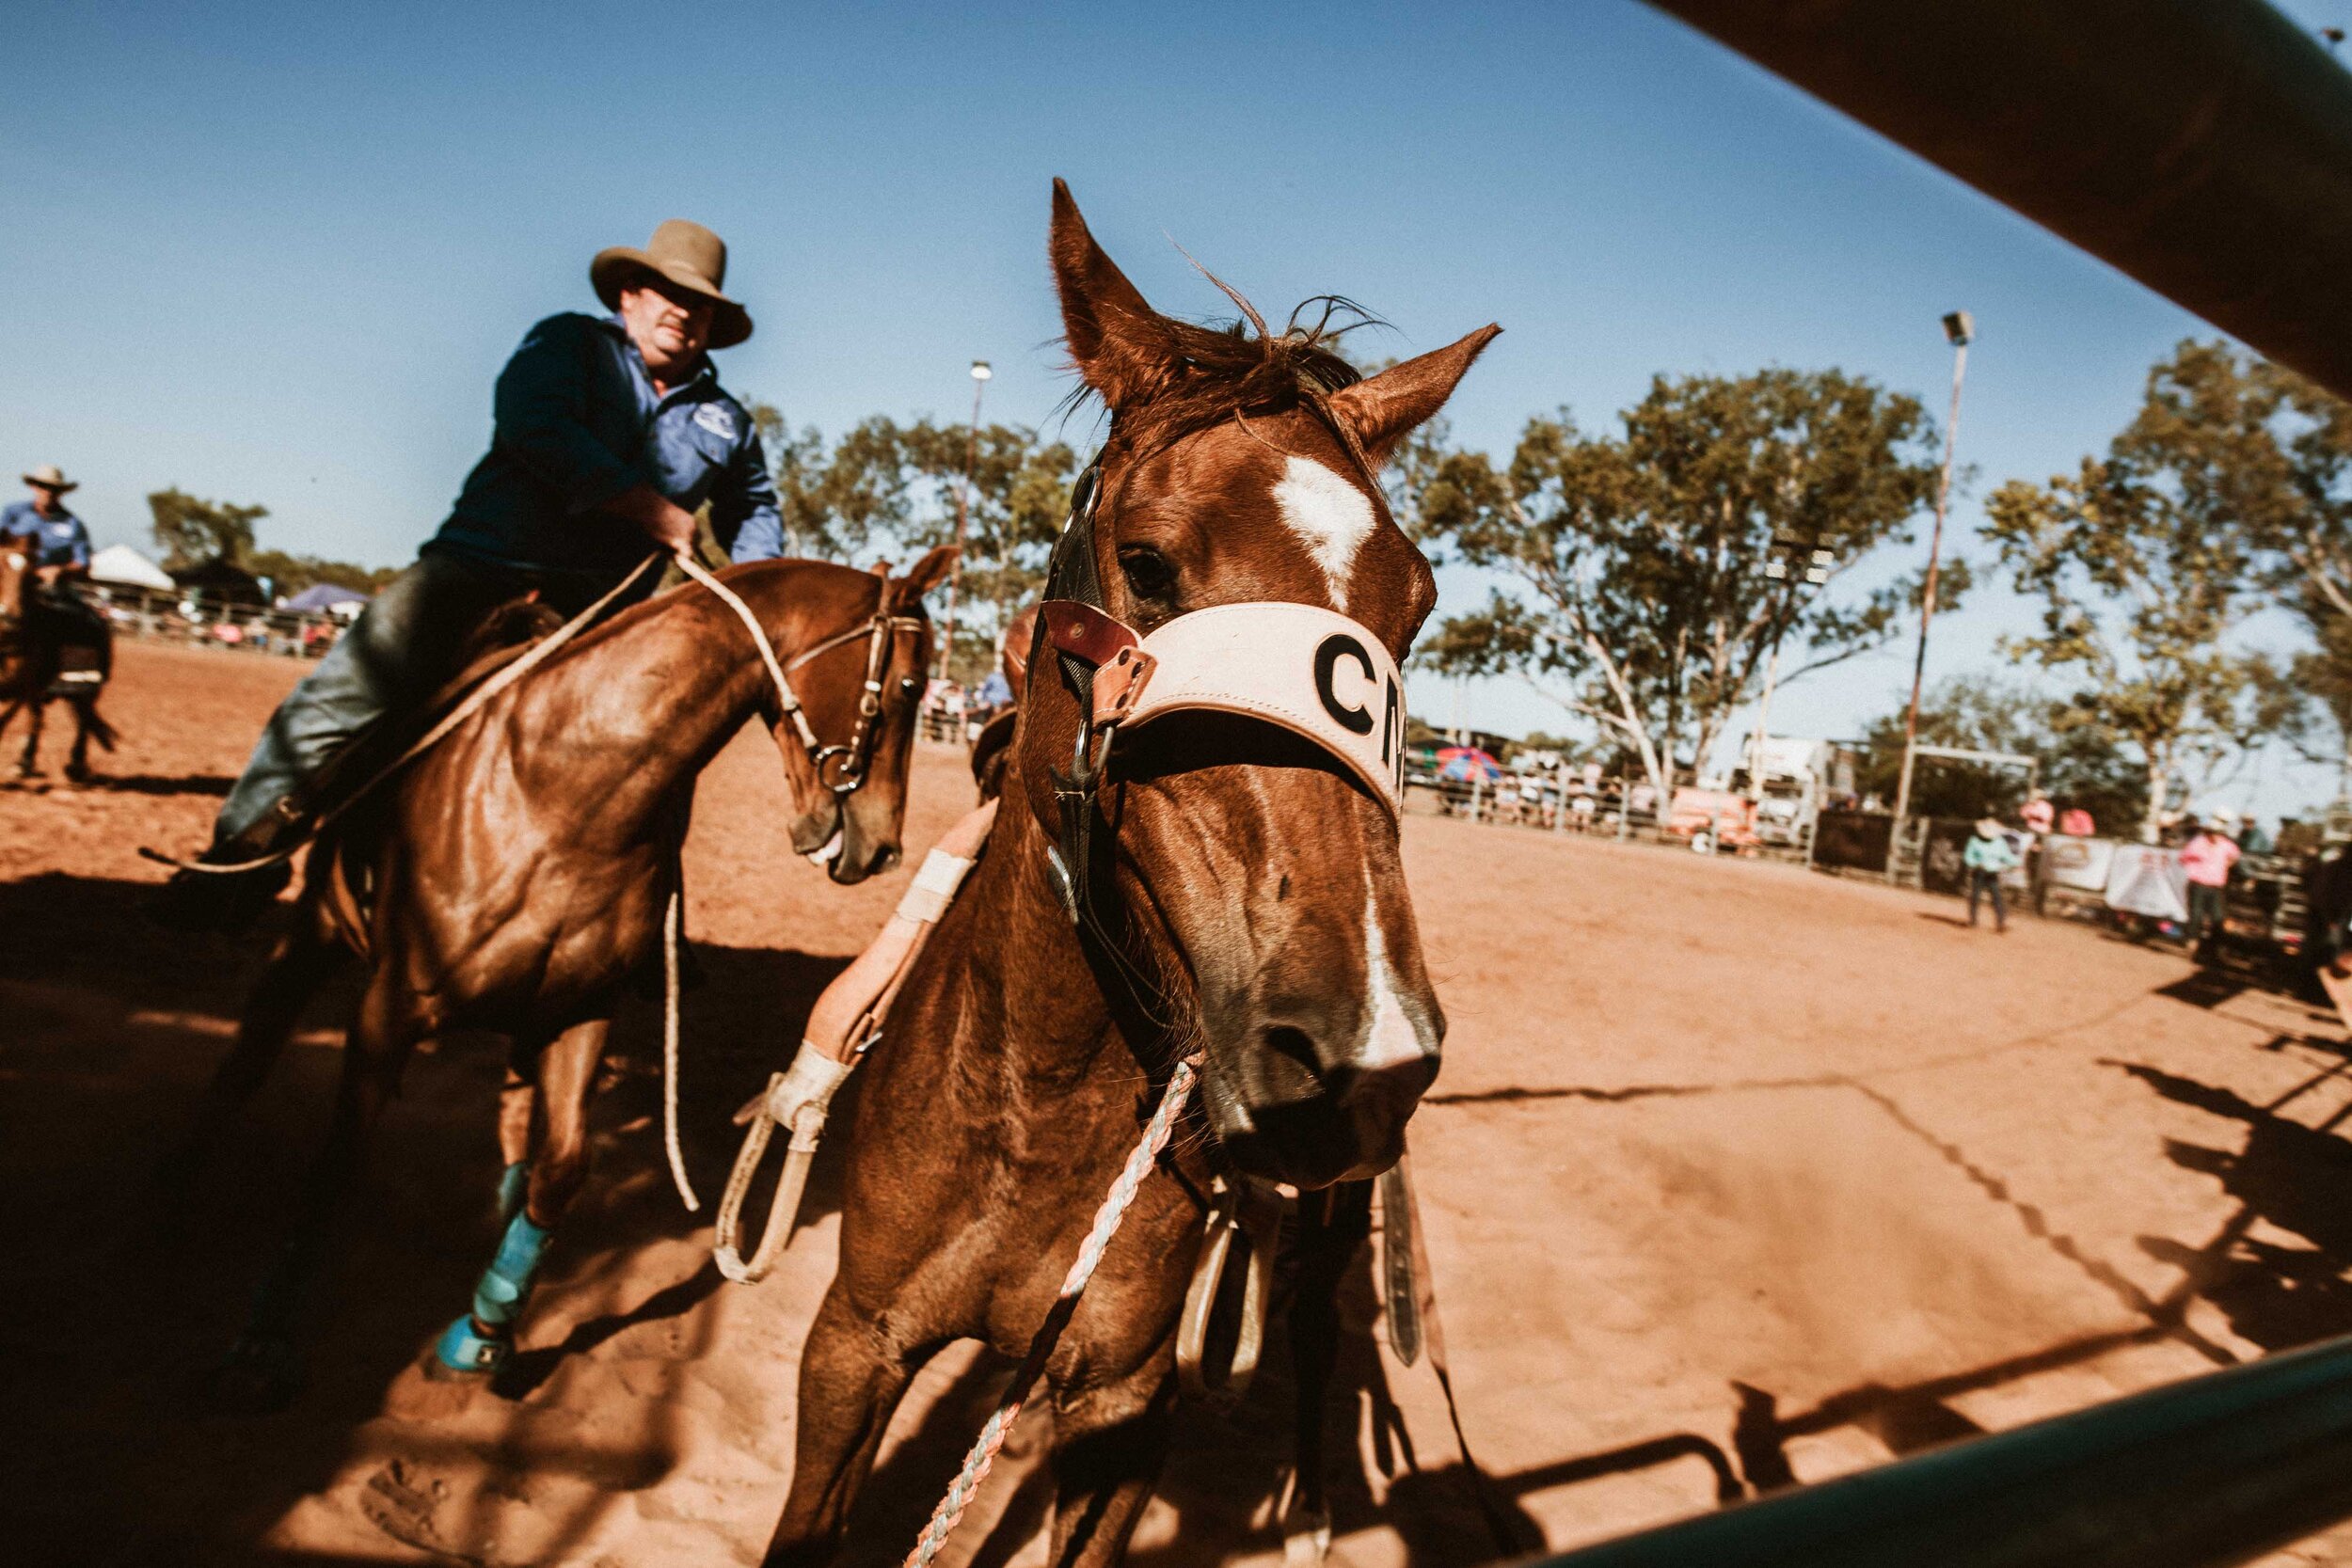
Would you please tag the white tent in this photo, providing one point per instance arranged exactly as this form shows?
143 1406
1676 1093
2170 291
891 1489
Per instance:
122 563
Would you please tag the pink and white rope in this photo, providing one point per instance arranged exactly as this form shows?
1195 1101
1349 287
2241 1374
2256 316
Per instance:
1115 1205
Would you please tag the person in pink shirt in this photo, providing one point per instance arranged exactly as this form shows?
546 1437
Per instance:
2207 858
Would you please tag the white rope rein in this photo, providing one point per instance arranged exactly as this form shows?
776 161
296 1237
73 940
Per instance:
734 601
672 918
1106 1219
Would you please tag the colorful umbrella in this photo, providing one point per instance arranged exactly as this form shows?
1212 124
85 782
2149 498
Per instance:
1466 763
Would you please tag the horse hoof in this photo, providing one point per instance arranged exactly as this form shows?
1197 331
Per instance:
462 1352
260 1374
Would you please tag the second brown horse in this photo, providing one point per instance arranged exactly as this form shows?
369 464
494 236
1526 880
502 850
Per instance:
516 875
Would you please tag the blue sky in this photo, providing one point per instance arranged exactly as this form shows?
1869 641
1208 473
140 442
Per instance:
276 254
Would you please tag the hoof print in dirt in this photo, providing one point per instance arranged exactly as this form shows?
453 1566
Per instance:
260 1374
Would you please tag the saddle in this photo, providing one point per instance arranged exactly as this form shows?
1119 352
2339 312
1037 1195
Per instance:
342 860
84 641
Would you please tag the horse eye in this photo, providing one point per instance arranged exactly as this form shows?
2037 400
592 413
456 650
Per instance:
908 683
1147 572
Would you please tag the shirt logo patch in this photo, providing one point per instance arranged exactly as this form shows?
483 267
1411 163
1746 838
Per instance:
716 419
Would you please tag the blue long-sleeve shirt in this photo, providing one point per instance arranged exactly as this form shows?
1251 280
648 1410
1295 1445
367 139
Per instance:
58 541
577 421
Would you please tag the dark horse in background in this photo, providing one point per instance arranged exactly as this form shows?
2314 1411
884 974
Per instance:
50 652
1248 909
514 877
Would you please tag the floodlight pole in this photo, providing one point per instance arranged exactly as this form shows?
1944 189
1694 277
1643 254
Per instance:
981 373
1959 327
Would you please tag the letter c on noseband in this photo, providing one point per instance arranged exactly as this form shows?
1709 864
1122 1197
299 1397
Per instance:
1356 721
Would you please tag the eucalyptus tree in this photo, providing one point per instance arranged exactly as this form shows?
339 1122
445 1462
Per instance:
1635 591
2144 564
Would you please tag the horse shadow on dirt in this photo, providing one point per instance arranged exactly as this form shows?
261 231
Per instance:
1225 1473
2288 1176
128 1293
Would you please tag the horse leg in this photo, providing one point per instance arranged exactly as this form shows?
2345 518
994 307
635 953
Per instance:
480 1340
1110 1440
518 1105
85 723
302 960
28 766
851 1381
263 1372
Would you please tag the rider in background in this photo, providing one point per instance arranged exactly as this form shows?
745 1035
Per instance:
608 432
58 547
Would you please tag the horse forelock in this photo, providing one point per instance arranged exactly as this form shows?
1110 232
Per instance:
1265 507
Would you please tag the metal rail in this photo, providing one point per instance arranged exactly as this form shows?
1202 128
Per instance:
2203 146
2219 1470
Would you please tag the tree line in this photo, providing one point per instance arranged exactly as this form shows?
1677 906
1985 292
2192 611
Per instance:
1636 592
1632 575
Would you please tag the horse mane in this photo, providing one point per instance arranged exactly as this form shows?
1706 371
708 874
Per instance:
1214 371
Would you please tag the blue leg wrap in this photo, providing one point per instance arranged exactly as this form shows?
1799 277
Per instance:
505 1285
513 1186
461 1350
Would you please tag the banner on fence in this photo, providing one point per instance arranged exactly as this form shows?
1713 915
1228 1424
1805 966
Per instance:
2146 880
2080 863
1855 839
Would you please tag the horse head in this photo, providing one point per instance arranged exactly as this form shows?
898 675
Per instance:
862 694
1256 865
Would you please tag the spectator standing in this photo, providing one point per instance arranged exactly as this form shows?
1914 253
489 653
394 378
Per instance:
1989 854
2208 858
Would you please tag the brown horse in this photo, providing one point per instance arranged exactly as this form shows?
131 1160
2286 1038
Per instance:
1231 891
34 643
518 873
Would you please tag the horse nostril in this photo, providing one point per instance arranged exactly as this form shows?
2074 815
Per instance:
1400 1085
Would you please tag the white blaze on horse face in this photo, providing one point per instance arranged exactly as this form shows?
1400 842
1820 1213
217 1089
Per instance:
1393 1039
1331 516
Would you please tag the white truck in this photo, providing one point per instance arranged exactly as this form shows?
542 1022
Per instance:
1800 777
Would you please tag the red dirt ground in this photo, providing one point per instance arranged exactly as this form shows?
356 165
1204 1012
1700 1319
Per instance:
1735 1175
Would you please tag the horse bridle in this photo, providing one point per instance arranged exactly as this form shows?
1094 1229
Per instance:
1278 661
852 760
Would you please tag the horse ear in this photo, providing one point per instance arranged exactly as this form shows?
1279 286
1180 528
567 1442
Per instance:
1112 331
924 575
1382 410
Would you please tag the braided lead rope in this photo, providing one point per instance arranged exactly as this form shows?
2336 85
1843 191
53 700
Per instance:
672 919
475 702
1107 1219
727 596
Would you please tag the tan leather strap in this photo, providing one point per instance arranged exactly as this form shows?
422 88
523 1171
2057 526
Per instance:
1250 1210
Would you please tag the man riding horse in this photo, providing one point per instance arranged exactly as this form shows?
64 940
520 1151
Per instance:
57 546
610 432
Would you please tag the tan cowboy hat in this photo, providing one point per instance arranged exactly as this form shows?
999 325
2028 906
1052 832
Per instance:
687 255
1989 827
48 478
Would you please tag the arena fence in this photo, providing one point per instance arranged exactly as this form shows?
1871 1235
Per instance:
2215 1470
172 616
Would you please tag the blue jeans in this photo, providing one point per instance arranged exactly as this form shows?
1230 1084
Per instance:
404 647
1980 883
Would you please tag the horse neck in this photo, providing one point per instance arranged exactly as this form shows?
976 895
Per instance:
1034 1006
664 686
